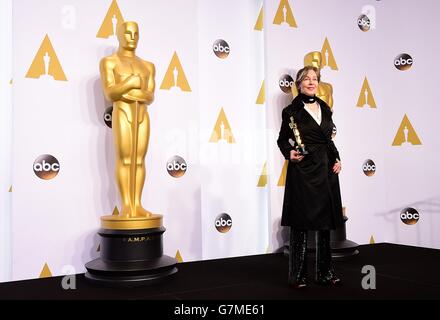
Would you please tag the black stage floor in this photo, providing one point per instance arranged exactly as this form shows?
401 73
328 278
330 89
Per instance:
402 272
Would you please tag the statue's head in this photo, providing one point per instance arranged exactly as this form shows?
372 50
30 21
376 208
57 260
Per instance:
313 59
128 35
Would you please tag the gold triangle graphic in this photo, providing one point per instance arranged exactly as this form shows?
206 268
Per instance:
372 240
262 182
261 95
45 272
222 129
178 257
366 96
113 19
11 81
406 133
46 63
282 179
115 211
328 59
259 24
175 76
10 189
284 14
99 248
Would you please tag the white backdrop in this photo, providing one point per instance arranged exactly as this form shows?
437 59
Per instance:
55 221
5 137
230 171
406 175
65 119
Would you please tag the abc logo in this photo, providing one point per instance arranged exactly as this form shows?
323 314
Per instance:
409 216
223 223
286 83
46 167
403 62
364 23
176 166
221 48
369 168
108 116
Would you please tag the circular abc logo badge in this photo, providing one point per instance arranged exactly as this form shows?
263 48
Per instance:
176 166
223 223
369 167
108 116
364 23
286 83
403 62
409 216
221 48
46 167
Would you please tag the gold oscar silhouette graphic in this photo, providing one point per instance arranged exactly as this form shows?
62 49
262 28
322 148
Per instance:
222 132
284 15
406 134
46 64
131 240
112 20
175 78
328 58
366 96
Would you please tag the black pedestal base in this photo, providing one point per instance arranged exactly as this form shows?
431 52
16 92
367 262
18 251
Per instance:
129 274
131 258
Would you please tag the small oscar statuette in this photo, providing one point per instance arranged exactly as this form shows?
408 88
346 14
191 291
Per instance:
300 147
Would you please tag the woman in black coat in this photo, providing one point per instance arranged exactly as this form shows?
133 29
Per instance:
312 198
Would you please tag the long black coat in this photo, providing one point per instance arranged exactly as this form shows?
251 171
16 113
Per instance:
312 197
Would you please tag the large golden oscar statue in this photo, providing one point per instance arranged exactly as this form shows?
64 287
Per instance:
131 242
128 82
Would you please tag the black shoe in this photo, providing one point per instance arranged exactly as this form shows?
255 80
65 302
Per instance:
298 283
328 279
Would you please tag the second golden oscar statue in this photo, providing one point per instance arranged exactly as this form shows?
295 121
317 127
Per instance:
131 241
